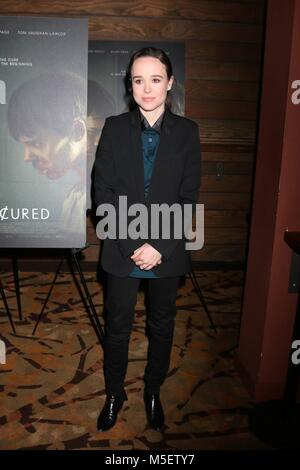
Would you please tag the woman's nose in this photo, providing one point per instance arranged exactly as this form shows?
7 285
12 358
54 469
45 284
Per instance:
147 87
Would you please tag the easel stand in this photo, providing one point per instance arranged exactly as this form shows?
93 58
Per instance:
17 284
7 308
70 255
201 298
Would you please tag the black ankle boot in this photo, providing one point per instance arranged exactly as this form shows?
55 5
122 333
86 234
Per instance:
154 410
109 413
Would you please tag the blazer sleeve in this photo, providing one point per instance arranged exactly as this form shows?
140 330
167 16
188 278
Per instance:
105 184
188 190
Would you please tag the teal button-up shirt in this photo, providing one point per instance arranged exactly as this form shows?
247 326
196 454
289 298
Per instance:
150 142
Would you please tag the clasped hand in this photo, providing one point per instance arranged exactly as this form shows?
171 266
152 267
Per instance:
146 257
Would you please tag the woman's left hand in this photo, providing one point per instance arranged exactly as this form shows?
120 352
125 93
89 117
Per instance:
146 257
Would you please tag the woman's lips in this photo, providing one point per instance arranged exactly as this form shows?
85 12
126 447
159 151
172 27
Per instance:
148 99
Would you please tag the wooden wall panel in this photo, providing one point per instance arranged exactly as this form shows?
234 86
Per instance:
222 51
174 29
215 155
194 9
225 201
227 131
219 71
212 109
223 42
212 89
228 168
228 184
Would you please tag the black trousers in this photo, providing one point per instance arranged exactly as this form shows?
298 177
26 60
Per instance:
121 297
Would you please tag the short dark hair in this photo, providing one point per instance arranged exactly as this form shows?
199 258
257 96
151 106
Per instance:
149 51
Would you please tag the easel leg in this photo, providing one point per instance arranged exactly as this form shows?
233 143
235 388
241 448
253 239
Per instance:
71 256
202 300
91 311
48 295
17 285
7 308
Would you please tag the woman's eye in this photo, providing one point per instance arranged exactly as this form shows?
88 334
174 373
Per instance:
156 80
138 82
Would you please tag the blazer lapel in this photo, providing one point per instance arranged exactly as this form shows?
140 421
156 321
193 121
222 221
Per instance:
137 154
162 152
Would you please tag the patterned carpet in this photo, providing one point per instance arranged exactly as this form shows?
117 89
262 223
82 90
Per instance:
52 385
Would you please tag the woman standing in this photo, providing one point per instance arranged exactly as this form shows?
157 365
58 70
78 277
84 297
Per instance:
151 156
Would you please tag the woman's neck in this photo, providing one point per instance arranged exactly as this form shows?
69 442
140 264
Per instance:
152 116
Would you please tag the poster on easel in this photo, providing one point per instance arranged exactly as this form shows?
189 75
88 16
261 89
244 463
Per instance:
43 132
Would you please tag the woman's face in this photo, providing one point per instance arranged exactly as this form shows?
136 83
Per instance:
150 83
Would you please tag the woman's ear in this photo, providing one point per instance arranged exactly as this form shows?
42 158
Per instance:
78 130
170 84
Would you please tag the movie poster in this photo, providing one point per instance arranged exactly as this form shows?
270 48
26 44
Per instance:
108 61
43 132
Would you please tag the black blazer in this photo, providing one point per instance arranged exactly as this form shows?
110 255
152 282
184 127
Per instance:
175 179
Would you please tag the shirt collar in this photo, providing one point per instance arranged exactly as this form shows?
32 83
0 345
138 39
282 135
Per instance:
156 126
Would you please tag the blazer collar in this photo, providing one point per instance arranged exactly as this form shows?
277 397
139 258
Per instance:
156 126
169 119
